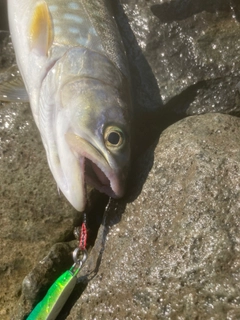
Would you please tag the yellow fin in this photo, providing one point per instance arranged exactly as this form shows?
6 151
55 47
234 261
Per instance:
41 32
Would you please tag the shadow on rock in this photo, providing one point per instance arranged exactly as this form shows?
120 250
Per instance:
183 9
3 15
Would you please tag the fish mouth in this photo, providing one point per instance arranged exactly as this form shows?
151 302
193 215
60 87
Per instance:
96 178
94 169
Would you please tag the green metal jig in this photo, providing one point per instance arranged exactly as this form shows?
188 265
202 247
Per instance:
59 292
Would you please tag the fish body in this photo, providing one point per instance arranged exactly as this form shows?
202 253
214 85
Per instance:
74 68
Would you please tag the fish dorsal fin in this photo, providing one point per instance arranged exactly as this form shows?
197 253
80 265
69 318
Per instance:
41 31
13 88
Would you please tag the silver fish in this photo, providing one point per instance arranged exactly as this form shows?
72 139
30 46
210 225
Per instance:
74 68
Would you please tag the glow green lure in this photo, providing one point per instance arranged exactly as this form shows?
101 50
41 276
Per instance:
58 293
56 297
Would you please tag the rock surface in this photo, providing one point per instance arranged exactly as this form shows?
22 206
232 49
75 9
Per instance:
192 47
174 252
172 247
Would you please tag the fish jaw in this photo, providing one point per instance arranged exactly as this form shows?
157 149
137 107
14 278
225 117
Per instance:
77 164
68 173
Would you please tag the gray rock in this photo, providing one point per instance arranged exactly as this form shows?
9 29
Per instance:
192 48
4 18
173 252
7 58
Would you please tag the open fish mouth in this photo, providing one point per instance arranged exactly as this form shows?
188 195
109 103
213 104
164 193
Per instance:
96 178
92 169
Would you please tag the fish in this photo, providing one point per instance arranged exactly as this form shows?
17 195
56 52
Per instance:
74 68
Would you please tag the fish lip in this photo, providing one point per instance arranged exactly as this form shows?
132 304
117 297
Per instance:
97 169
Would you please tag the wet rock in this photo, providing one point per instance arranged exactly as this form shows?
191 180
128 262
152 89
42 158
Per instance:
7 58
174 10
173 252
191 46
3 13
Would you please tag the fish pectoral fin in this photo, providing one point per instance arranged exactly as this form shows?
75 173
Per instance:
13 89
41 31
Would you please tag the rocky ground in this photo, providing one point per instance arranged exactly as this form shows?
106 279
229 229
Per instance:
171 246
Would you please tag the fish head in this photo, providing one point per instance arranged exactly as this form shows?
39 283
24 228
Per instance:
92 140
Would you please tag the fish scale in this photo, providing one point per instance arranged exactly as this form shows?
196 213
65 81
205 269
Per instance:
102 19
73 27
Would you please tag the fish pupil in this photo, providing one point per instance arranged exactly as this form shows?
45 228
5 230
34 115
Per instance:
114 138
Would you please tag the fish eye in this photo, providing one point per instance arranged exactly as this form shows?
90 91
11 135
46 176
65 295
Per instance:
113 137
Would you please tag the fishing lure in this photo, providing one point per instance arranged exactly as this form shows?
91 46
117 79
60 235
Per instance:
56 297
